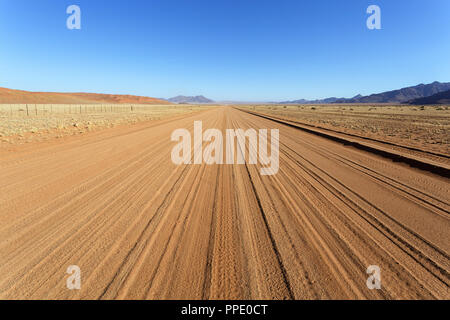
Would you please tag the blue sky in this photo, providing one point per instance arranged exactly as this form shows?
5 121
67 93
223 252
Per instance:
224 49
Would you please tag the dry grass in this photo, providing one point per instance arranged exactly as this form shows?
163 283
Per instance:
424 127
19 125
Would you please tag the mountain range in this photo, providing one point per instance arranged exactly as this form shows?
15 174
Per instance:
438 98
190 99
403 95
432 93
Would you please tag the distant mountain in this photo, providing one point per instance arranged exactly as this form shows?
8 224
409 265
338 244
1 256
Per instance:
401 95
19 96
190 99
318 101
395 96
438 98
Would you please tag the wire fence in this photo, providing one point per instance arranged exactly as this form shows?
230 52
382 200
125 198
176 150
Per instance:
29 110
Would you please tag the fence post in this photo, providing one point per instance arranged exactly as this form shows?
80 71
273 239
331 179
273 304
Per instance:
28 114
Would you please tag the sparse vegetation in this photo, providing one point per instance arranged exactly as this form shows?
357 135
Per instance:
75 119
425 127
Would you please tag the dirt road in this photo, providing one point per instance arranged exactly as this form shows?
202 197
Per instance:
140 227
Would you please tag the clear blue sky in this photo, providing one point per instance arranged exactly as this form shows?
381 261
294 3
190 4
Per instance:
251 50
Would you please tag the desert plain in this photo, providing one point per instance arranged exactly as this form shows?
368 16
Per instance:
357 186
